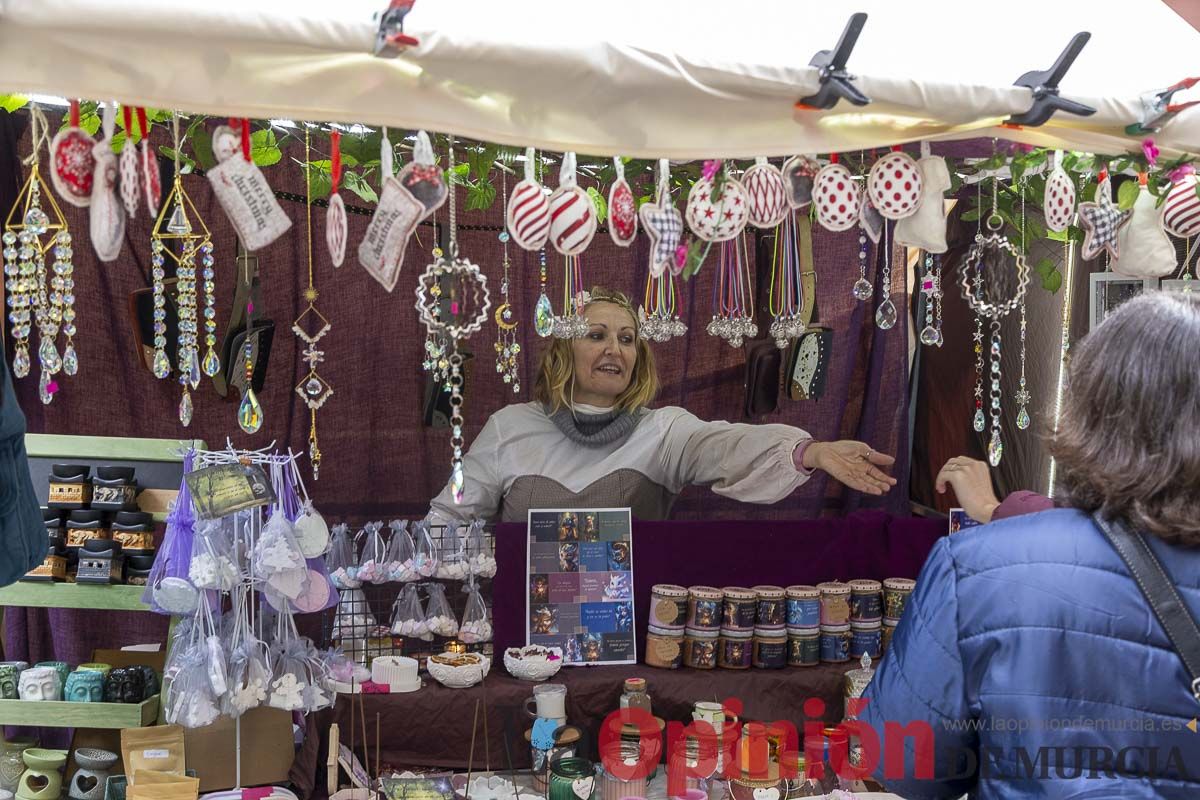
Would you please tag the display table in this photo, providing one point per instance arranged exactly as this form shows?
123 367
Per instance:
432 727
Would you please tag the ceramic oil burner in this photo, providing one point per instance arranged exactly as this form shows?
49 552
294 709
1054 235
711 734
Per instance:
84 686
92 776
70 487
10 675
11 762
150 681
124 685
61 667
40 683
41 779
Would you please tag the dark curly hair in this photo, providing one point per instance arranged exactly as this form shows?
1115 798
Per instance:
1128 440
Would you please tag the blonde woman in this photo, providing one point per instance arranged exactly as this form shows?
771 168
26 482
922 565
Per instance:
590 439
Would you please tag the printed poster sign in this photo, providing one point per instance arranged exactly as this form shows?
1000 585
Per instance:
580 584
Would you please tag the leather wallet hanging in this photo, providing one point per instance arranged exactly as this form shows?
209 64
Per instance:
808 361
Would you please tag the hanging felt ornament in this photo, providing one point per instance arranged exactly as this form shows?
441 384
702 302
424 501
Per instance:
106 218
1181 210
767 194
130 186
1102 222
894 185
622 209
1058 203
243 191
798 174
926 228
717 207
836 197
422 177
381 251
74 165
151 173
336 226
572 215
663 223
1147 248
528 215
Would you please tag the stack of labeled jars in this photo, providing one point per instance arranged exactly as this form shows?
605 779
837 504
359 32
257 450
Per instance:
895 599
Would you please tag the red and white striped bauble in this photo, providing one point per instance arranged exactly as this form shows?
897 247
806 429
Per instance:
572 220
895 185
1181 210
528 215
1058 203
836 198
768 194
622 213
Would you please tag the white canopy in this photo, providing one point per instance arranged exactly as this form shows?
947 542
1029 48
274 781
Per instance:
680 79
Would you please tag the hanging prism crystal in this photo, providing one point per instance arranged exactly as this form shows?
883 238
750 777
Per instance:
886 315
862 287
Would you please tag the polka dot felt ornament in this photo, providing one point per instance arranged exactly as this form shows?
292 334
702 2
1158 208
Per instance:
1181 209
894 185
74 165
836 198
572 215
767 194
1058 203
528 215
622 209
721 218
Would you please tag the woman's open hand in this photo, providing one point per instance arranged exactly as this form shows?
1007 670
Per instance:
852 463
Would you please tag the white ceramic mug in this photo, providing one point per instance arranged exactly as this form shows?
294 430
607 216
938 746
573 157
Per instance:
712 713
550 700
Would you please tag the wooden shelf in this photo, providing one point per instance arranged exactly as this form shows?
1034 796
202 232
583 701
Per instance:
73 595
63 714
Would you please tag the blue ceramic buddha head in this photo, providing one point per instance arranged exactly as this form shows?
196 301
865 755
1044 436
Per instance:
84 686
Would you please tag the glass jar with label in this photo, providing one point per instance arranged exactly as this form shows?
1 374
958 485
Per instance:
804 647
700 649
885 638
772 608
835 644
803 606
664 648
735 649
866 601
835 603
865 639
895 596
668 606
770 648
704 608
741 609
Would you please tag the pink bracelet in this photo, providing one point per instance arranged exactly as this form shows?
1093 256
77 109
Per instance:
798 457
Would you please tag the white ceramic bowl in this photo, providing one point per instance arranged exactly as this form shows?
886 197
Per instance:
531 663
459 677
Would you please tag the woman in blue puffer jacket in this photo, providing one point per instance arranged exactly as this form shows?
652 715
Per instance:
1028 663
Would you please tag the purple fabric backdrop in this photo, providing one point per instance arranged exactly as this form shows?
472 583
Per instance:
866 544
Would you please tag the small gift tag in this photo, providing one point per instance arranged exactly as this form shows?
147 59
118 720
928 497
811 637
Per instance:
129 166
244 193
106 218
381 251
151 174
336 226
74 164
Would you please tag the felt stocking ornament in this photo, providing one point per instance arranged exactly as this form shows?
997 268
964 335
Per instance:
622 209
381 252
926 227
130 188
1146 250
572 215
767 194
336 227
836 197
719 218
106 218
528 216
423 178
151 174
798 174
243 191
73 164
663 223
894 185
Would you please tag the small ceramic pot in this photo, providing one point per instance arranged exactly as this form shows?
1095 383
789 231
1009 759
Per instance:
90 779
41 779
84 686
40 683
61 667
125 685
150 681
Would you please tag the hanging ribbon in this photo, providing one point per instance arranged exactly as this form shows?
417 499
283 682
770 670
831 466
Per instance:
242 125
74 113
143 128
335 160
127 118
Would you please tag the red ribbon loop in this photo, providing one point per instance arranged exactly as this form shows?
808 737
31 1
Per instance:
74 113
143 128
335 159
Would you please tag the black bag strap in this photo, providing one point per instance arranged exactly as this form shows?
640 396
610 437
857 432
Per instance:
1159 591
